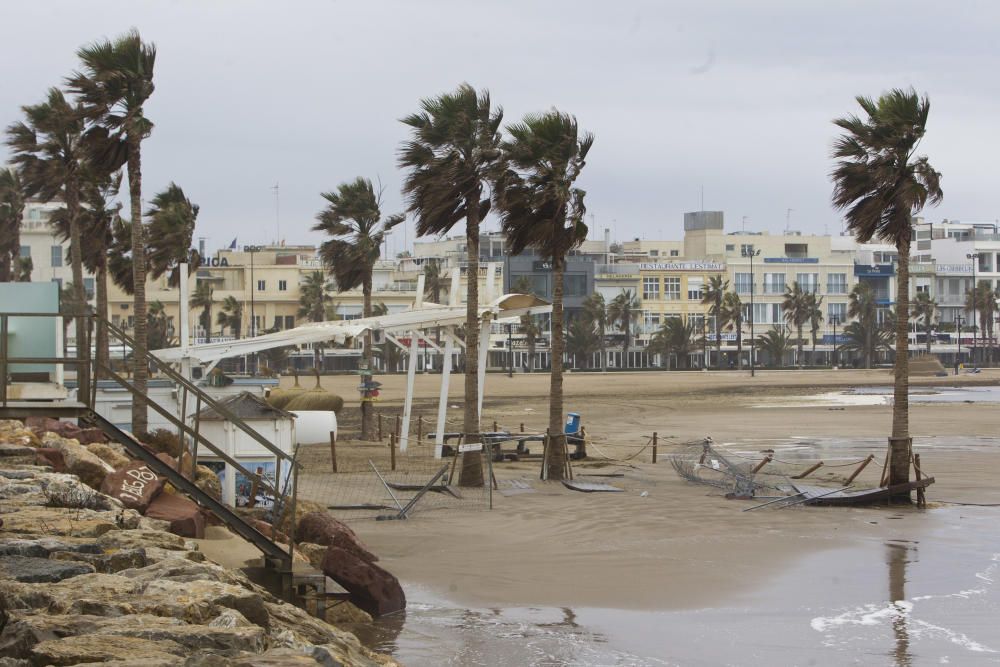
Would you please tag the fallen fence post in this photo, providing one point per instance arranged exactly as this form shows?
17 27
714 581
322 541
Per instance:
386 485
871 457
420 494
380 426
808 472
392 451
420 429
767 459
654 446
333 450
921 498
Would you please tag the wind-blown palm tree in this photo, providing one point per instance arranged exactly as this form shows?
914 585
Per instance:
353 219
158 332
434 283
882 183
776 343
862 306
596 311
675 337
313 297
230 315
115 80
731 316
531 331
981 302
712 296
170 231
22 269
541 208
924 308
203 297
796 310
452 156
47 148
581 340
622 311
12 197
814 317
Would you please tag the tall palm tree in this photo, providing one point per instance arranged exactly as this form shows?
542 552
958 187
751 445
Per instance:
452 156
158 335
541 208
731 316
12 197
203 297
581 340
313 297
531 331
22 269
865 340
863 307
353 219
230 315
47 147
115 80
882 183
981 302
434 281
924 308
675 337
596 311
170 230
622 310
796 310
814 317
776 343
712 296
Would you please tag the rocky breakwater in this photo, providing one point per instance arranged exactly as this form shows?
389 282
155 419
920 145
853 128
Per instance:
85 580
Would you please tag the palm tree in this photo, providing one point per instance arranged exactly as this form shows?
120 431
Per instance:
203 298
158 336
541 208
23 267
924 308
621 311
12 197
712 296
531 331
882 183
865 340
434 281
353 220
862 306
114 83
47 148
796 309
170 230
523 286
313 297
814 316
982 301
731 316
675 337
231 315
776 343
453 155
581 340
596 312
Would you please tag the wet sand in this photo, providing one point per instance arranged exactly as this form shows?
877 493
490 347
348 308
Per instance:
665 546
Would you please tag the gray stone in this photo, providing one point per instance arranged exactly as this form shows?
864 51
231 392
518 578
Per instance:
103 648
59 521
106 563
43 546
69 491
140 538
30 569
79 460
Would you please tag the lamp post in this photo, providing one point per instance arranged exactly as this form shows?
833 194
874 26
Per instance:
958 352
510 352
974 256
252 249
750 253
834 321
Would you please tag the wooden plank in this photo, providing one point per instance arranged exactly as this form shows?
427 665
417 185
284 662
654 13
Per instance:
590 487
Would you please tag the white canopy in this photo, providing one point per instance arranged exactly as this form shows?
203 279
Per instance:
427 316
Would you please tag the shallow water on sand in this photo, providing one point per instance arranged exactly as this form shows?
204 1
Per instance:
881 602
859 396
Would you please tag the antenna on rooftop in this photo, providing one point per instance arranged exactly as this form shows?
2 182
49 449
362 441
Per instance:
788 219
277 213
744 228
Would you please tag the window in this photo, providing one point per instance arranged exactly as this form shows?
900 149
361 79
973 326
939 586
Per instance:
282 285
672 288
675 253
57 255
651 322
767 313
695 288
774 283
540 285
984 262
34 214
289 321
809 282
743 283
575 284
25 251
651 287
836 312
836 283
88 287
696 322
798 250
261 285
654 253
256 325
746 249
278 321
730 247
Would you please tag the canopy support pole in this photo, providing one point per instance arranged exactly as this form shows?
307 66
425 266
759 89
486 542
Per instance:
411 371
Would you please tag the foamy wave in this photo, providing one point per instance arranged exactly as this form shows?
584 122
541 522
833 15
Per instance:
867 615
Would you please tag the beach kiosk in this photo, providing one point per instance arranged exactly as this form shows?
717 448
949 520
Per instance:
277 426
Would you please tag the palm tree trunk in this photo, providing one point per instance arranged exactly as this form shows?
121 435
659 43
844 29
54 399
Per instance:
928 341
366 354
798 330
72 192
626 317
556 458
140 368
739 344
472 468
103 354
604 351
718 334
900 443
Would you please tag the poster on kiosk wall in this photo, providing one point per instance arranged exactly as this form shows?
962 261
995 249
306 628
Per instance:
244 486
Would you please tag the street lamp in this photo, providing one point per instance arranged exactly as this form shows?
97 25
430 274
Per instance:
510 352
252 249
974 256
958 352
750 253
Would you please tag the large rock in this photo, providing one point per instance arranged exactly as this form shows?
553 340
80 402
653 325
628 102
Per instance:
79 460
200 601
372 589
134 485
106 563
103 648
139 539
321 528
53 458
43 546
31 569
186 518
10 449
206 480
15 433
58 521
109 455
69 491
42 425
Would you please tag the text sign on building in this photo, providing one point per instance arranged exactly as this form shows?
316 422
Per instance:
541 266
792 260
682 266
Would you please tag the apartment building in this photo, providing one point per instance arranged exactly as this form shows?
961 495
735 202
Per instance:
49 254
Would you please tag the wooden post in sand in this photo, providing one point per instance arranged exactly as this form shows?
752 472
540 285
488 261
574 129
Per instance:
767 459
871 457
392 451
921 498
333 450
809 471
380 426
399 426
522 427
420 429
495 429
654 446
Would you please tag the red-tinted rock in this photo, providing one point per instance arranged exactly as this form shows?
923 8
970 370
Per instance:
321 528
267 530
47 456
372 589
186 518
89 436
135 485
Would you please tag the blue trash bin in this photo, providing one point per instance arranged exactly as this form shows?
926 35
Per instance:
572 423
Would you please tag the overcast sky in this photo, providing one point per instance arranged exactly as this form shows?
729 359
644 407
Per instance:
733 98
